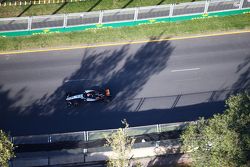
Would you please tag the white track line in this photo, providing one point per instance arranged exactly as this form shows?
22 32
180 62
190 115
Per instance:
76 80
188 69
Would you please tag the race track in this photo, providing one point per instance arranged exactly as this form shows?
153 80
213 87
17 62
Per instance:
151 83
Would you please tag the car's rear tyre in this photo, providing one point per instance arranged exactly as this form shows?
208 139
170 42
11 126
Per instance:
68 94
69 104
75 104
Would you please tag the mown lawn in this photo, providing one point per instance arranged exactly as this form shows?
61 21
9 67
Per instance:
142 32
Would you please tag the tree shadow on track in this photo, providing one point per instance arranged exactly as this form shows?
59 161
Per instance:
244 80
25 10
60 8
125 70
94 6
127 4
120 68
8 108
242 84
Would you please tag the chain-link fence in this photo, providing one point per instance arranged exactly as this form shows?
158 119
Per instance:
153 12
39 22
246 4
120 15
189 8
224 5
76 19
14 24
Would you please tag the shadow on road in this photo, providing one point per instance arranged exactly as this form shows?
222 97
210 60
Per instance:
244 80
125 73
96 4
25 10
127 4
60 8
159 3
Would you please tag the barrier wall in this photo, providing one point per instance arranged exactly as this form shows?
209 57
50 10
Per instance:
119 18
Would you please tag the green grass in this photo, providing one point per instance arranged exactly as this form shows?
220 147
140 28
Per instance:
142 32
74 7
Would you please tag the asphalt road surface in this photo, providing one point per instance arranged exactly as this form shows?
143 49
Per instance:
151 83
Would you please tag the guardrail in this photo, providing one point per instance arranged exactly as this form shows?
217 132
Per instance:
95 135
85 153
96 19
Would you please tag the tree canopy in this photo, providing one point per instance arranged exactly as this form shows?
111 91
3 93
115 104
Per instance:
224 139
121 145
6 149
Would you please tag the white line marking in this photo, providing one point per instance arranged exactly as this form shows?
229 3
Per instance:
188 69
75 80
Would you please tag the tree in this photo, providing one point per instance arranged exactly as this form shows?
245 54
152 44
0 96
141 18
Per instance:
239 114
121 145
6 149
222 140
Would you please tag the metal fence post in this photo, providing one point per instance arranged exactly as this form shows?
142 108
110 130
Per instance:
136 14
158 128
206 7
65 19
171 10
48 160
100 17
12 140
49 139
85 150
86 135
29 23
10 163
241 4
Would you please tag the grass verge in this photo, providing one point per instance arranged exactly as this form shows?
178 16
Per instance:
142 32
84 6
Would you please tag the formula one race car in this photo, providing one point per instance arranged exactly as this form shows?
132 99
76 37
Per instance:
74 99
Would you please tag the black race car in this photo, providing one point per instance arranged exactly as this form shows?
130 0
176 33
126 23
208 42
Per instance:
91 95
